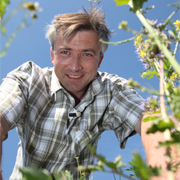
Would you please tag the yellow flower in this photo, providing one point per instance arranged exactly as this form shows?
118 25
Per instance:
123 25
177 23
77 158
138 40
83 174
173 76
142 53
146 43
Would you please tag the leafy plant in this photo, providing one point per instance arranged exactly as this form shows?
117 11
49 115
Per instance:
29 8
153 45
3 5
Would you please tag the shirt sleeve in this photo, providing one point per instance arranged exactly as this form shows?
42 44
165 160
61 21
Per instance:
13 94
124 111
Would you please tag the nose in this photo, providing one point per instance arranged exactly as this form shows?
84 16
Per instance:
75 63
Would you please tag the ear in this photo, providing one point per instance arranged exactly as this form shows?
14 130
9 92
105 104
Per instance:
51 53
100 60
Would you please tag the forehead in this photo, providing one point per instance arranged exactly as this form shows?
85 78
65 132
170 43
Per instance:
81 38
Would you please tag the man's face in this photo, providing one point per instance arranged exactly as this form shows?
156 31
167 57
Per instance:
76 62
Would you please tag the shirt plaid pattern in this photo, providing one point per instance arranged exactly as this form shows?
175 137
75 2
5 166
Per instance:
33 100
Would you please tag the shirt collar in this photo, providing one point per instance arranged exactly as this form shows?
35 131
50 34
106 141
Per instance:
96 85
55 84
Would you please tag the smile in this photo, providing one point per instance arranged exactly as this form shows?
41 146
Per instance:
72 76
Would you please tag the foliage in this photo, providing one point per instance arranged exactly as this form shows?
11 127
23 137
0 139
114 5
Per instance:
140 169
3 5
30 14
139 166
35 174
136 4
153 45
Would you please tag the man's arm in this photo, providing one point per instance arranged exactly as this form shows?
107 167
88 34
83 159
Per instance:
155 156
4 128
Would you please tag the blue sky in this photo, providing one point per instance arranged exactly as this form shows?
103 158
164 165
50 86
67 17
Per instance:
30 44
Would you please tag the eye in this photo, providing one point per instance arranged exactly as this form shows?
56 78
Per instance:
87 54
65 52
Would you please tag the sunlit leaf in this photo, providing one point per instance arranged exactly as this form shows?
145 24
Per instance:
140 168
3 6
82 178
90 168
137 4
152 112
175 140
160 126
35 174
149 74
151 118
118 162
121 2
101 158
111 165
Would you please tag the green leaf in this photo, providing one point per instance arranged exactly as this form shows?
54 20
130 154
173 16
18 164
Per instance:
35 174
111 165
63 175
151 118
152 112
118 162
176 4
175 140
82 178
121 2
101 158
91 168
160 126
137 4
166 65
155 171
140 168
149 74
3 6
91 148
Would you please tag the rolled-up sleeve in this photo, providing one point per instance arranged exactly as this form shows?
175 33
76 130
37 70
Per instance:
123 112
13 94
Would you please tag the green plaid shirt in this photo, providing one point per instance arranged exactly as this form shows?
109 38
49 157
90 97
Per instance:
33 100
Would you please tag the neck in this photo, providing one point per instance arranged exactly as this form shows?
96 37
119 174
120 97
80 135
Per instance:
78 97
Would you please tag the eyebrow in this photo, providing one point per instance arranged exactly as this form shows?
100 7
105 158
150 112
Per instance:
91 50
63 47
83 50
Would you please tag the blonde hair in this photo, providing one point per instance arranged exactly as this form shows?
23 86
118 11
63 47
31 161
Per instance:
71 23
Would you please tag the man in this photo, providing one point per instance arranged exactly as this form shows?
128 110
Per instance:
56 109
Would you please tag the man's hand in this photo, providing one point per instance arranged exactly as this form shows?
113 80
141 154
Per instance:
4 128
156 156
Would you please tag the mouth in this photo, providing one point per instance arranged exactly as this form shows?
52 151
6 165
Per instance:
73 76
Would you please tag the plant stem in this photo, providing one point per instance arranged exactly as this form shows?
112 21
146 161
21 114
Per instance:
171 15
162 99
176 46
10 39
116 172
11 15
161 46
119 42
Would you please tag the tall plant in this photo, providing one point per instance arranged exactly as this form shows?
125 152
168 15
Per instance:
153 45
30 10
